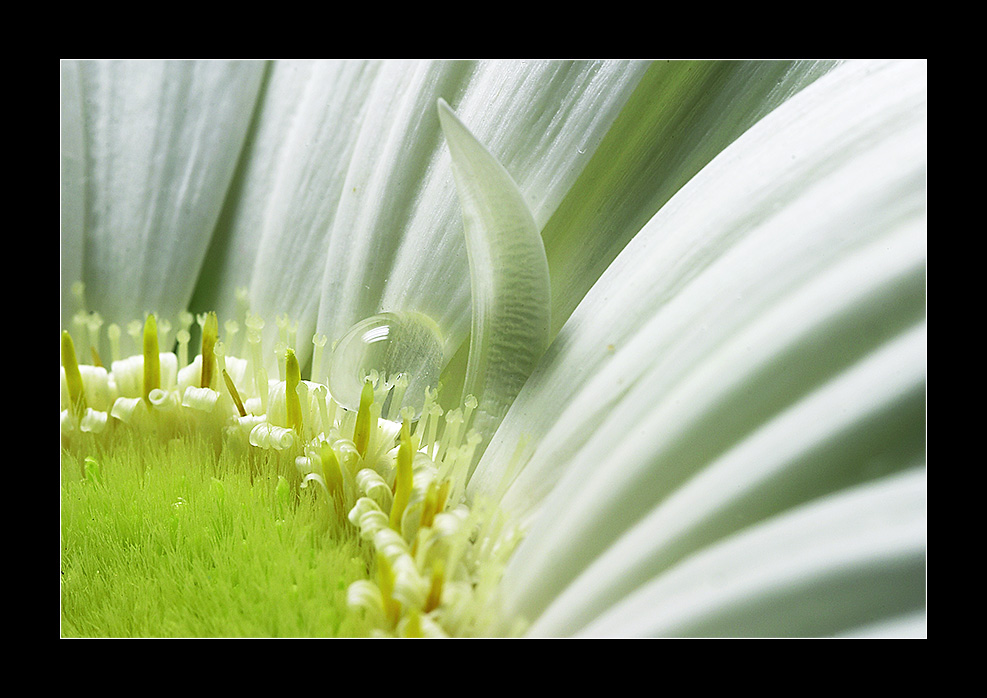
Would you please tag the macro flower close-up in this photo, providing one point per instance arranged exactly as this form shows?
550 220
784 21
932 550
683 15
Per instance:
493 348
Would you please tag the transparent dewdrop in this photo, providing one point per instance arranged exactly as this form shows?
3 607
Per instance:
404 349
400 481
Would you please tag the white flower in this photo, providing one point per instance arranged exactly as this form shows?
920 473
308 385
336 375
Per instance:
725 435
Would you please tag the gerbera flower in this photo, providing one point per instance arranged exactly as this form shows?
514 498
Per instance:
682 340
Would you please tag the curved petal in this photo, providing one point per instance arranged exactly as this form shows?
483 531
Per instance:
836 564
681 115
233 251
395 146
795 255
509 277
276 237
161 140
398 240
853 428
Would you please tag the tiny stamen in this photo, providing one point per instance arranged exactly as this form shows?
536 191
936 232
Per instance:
164 327
330 469
435 591
361 434
403 481
401 382
183 339
134 329
293 377
113 332
234 394
210 333
254 326
232 328
319 340
321 393
430 507
385 582
94 322
73 377
434 413
280 349
152 359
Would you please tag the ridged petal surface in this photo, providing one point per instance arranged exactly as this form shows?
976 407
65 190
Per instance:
774 276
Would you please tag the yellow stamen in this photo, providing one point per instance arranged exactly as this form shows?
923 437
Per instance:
152 359
435 591
430 505
413 625
293 377
254 326
73 378
443 495
234 394
402 483
385 582
361 434
330 469
96 359
210 333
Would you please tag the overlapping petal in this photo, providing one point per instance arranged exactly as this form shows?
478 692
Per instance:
343 202
157 144
305 116
277 223
397 242
855 560
759 343
681 115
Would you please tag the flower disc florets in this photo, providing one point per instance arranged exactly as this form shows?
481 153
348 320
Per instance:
399 480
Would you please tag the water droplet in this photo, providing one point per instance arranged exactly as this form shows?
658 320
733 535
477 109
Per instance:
390 344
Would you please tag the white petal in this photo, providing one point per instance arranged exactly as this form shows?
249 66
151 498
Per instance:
73 187
398 238
851 429
908 625
162 139
289 192
710 323
834 564
229 263
681 115
509 273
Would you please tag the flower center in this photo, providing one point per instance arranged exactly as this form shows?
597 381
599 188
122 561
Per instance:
373 444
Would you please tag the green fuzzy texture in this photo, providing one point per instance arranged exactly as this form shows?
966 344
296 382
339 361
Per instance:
182 539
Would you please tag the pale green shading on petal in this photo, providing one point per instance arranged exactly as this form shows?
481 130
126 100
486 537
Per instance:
398 239
912 625
393 154
855 427
508 272
845 561
73 195
229 262
161 141
794 256
275 233
681 115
